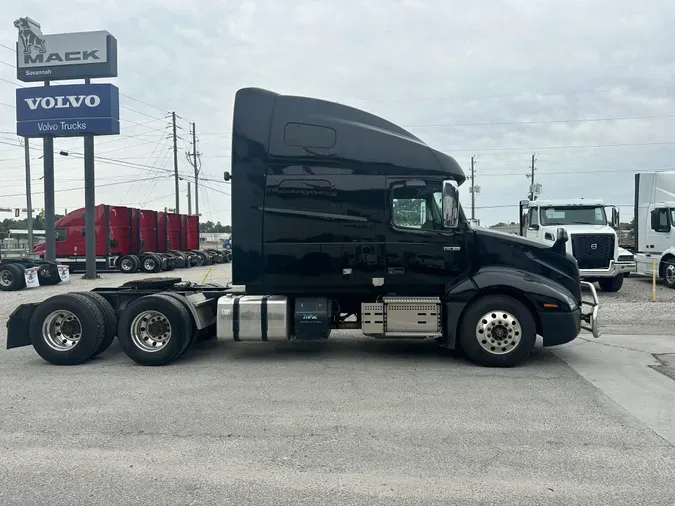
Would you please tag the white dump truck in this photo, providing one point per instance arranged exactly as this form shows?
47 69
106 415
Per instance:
655 225
593 241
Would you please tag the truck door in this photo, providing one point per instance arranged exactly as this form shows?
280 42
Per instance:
421 256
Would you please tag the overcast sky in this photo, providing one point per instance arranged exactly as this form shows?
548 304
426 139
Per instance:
586 85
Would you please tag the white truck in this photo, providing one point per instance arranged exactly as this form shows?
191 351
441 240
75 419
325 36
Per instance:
655 225
593 241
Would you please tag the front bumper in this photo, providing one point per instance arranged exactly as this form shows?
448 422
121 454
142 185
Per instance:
615 268
562 327
590 318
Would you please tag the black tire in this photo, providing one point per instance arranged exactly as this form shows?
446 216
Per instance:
150 263
160 262
48 275
193 337
110 318
196 260
12 277
611 284
137 262
491 311
181 261
128 264
668 273
91 329
171 262
173 312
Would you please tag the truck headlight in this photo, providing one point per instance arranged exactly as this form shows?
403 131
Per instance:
625 258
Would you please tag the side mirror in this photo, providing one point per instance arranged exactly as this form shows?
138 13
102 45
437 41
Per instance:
226 176
561 239
450 204
615 217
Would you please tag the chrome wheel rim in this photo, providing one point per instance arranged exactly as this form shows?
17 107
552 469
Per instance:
127 264
6 278
150 331
61 330
149 264
498 332
670 274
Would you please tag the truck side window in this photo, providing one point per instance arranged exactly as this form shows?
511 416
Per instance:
60 234
417 207
660 222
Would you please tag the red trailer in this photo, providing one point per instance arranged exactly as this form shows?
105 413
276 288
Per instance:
130 239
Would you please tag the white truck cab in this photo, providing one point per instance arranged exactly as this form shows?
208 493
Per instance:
655 225
592 240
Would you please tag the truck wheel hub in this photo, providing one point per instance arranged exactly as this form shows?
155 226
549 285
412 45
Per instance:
150 331
498 332
670 273
61 330
6 278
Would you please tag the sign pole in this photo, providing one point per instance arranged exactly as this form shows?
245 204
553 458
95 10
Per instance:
89 205
29 204
50 222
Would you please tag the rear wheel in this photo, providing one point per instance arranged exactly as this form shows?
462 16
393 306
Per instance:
150 263
11 277
498 331
611 284
160 262
128 264
668 271
154 329
67 329
109 317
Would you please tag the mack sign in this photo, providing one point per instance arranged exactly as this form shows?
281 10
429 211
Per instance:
68 111
52 57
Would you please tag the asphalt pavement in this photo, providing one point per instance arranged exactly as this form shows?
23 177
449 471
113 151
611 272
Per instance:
348 421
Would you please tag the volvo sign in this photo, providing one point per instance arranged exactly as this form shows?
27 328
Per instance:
77 55
68 110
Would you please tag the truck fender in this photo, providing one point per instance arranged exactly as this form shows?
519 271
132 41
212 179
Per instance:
531 289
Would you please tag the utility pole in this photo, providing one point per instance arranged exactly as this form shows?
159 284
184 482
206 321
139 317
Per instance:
473 193
196 167
189 200
89 206
175 161
29 205
531 195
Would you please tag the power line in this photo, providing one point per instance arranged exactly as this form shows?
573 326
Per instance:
78 188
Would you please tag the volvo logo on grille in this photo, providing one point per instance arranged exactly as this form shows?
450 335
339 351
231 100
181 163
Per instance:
594 246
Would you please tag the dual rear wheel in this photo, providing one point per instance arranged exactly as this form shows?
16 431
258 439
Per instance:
72 328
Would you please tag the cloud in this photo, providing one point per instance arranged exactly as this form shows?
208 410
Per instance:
481 69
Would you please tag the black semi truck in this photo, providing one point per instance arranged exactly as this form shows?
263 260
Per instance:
343 221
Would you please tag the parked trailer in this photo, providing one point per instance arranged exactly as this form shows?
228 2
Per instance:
338 248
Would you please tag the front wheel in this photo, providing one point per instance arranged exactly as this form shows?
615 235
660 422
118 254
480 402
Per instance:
497 331
611 284
668 271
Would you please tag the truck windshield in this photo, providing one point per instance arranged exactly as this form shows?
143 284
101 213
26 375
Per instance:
573 215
